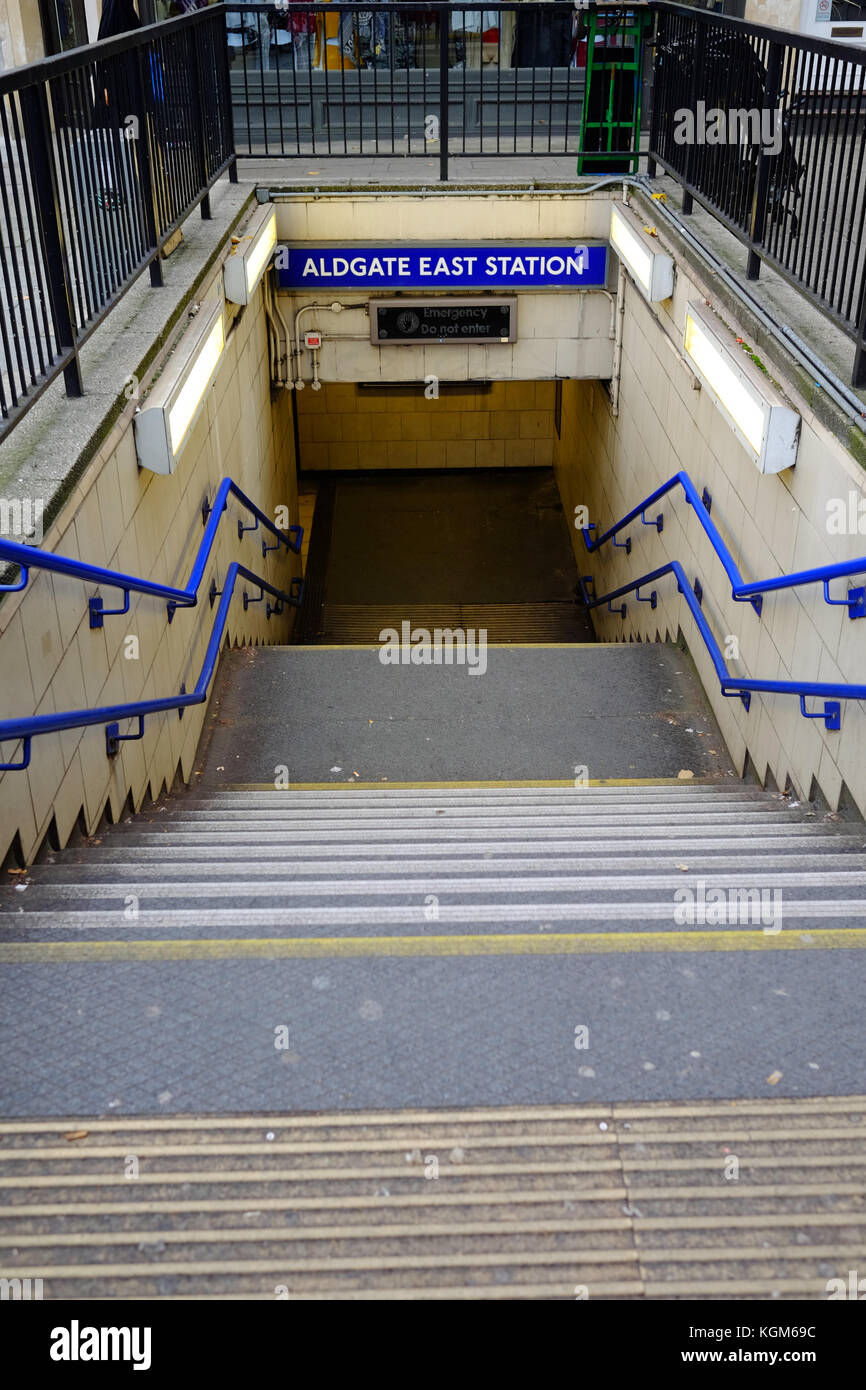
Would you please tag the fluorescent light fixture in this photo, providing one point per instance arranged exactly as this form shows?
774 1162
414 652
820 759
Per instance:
651 268
767 427
163 424
249 258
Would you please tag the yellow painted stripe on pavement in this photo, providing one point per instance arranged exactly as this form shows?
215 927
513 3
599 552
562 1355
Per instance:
518 944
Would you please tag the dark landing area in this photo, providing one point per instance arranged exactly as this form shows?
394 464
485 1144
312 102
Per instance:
462 549
339 715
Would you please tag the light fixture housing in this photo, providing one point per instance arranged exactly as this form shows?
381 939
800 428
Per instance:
767 428
251 256
163 424
651 269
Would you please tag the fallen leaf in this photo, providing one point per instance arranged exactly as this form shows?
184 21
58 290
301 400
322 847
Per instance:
76 1134
684 774
774 1078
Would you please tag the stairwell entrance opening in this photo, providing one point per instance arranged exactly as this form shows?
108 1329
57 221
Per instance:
442 513
442 637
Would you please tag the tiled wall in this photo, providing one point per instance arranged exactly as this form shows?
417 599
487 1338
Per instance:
771 524
509 426
135 521
559 333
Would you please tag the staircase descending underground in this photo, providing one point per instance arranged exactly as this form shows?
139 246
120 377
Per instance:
429 950
303 864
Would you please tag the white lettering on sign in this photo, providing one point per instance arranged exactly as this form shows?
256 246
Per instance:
452 266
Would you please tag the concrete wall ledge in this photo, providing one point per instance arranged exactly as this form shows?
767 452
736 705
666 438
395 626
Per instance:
46 454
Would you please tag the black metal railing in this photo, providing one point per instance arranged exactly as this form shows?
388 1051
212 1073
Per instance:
767 131
328 79
104 152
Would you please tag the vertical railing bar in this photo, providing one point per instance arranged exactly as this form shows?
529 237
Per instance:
532 110
341 16
261 64
275 67
425 46
145 164
295 71
158 73
309 70
188 151
821 202
775 235
859 239
568 72
197 105
444 39
47 200
119 242
809 191
32 227
550 93
21 314
788 249
761 192
500 13
410 29
391 31
88 204
833 194
464 84
376 22
10 320
480 14
239 17
855 183
80 246
129 152
79 258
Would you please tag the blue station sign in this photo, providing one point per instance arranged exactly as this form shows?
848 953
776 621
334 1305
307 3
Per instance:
544 265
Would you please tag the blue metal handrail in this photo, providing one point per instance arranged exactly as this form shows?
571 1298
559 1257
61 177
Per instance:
742 592
693 594
31 557
26 728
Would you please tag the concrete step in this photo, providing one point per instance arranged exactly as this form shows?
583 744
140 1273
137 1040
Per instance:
494 837
530 1201
286 849
531 916
789 881
260 821
421 816
66 871
701 794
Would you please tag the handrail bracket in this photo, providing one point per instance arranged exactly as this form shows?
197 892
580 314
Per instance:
855 601
114 738
831 713
98 612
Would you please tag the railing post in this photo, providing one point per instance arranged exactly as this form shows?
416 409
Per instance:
758 220
444 22
696 87
224 88
651 40
40 158
199 119
148 197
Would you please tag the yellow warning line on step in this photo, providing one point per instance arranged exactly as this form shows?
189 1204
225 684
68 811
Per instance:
471 786
518 944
